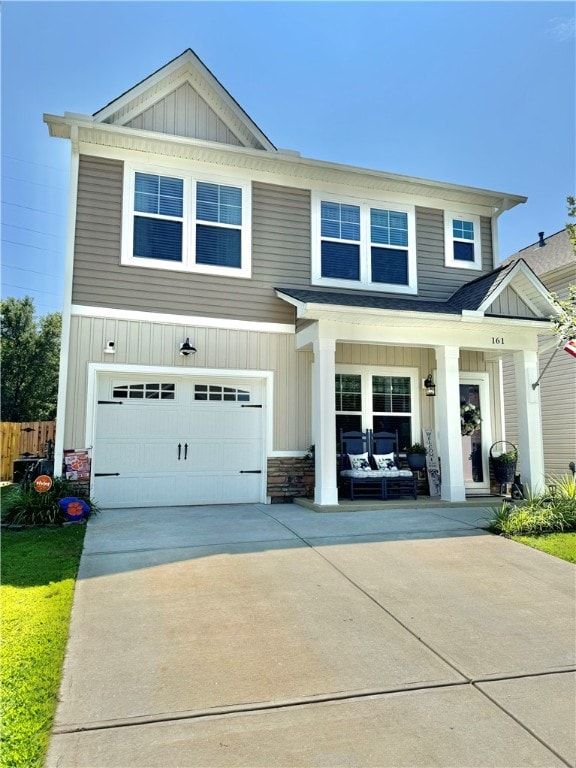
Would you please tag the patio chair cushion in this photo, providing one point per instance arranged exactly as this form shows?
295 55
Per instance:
364 474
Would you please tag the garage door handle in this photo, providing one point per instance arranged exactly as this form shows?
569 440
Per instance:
250 406
185 451
106 474
179 449
250 471
110 402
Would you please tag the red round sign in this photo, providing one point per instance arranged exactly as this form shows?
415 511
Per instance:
42 483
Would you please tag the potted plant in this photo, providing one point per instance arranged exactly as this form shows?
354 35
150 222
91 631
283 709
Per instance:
503 457
416 456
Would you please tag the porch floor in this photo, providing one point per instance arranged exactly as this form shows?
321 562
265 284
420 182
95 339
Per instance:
423 502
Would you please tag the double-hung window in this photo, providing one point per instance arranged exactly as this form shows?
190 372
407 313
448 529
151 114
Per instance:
382 399
364 245
462 240
182 222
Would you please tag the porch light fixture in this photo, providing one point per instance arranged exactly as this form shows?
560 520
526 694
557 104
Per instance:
429 386
186 348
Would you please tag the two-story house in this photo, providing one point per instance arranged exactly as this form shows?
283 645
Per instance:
229 302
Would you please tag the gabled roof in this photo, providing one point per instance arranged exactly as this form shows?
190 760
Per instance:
557 252
474 298
186 68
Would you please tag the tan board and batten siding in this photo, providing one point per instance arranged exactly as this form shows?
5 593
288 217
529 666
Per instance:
185 113
557 393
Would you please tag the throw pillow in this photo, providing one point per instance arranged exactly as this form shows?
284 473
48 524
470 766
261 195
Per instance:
359 461
384 461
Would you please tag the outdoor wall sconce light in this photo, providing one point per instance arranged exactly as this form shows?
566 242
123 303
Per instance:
186 348
429 386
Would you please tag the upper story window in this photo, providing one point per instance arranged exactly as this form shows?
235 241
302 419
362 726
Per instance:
462 240
363 245
185 223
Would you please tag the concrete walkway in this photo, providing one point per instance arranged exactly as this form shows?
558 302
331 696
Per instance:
268 636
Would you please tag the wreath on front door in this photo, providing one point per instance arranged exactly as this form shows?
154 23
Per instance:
470 419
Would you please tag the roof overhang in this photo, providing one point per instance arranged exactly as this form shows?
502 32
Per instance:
374 316
528 286
291 166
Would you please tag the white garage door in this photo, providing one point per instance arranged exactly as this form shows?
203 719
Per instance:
167 441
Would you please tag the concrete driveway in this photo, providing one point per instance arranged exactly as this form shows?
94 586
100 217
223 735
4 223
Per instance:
257 635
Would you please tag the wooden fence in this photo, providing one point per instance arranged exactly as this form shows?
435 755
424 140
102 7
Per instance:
21 438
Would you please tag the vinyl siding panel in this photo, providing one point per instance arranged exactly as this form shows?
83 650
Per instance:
185 113
509 304
146 344
557 394
436 281
280 255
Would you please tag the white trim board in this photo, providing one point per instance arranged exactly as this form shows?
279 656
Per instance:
109 313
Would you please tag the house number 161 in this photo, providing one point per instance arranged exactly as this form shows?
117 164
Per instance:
497 339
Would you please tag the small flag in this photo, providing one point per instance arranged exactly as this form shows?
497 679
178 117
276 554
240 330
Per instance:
571 347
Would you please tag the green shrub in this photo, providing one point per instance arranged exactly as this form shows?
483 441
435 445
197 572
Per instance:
22 505
542 513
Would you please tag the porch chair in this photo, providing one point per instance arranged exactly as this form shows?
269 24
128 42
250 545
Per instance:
361 478
384 455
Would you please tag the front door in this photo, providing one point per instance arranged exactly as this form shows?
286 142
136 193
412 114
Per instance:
476 431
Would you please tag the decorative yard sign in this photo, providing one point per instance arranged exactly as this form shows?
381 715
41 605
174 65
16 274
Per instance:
43 483
432 463
77 465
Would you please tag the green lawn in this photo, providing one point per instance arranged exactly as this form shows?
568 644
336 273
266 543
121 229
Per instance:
562 545
39 568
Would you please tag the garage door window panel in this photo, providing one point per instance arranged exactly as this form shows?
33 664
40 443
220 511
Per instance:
149 391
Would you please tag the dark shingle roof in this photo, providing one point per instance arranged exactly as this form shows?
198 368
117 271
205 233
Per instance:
468 297
558 252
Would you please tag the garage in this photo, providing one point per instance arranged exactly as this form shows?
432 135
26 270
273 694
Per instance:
178 440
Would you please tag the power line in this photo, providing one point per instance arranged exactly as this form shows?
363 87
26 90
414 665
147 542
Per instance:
27 229
25 245
30 162
35 271
28 208
32 290
37 183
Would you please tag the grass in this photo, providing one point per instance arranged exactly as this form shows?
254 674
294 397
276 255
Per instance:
39 568
562 545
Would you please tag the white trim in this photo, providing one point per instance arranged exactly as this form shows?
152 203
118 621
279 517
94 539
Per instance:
267 377
109 313
367 371
521 268
189 222
280 164
449 240
67 306
201 79
364 244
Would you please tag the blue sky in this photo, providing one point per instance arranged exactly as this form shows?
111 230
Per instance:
481 94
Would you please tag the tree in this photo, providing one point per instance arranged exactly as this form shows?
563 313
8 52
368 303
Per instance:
30 351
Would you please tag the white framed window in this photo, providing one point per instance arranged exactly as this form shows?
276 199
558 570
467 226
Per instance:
368 245
185 222
383 399
462 240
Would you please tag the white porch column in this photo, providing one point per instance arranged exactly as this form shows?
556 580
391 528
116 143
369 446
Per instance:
448 426
530 447
323 421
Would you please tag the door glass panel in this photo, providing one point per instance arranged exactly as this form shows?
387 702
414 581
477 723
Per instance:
400 424
472 442
347 423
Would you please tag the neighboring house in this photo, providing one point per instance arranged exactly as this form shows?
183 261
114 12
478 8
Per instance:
554 261
316 295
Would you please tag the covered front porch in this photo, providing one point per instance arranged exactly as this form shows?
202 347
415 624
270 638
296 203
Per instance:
371 357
